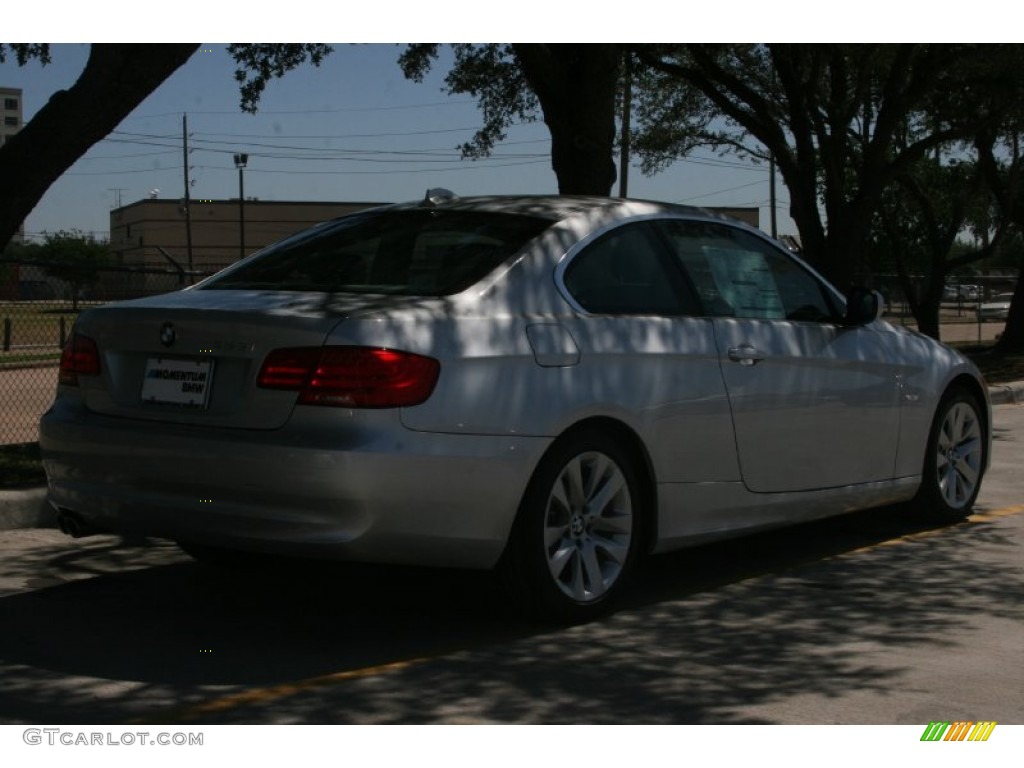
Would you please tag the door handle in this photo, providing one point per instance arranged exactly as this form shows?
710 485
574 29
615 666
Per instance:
745 354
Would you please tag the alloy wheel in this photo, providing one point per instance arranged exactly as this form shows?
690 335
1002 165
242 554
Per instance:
959 455
588 526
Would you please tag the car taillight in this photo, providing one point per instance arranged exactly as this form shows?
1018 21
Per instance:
351 377
80 357
288 368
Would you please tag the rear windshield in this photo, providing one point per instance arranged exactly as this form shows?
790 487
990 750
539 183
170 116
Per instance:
406 253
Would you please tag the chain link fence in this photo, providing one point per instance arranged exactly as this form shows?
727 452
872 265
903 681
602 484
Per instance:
961 297
36 315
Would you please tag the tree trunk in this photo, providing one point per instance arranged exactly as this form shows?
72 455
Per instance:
926 312
576 86
116 79
1012 340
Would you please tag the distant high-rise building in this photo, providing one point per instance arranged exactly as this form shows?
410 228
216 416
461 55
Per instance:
10 123
10 113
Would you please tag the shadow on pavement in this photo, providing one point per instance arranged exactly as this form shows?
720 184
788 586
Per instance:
115 631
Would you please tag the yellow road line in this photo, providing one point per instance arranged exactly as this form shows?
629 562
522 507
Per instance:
283 690
270 693
981 517
978 517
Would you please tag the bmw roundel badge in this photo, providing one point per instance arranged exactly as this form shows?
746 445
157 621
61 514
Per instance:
167 335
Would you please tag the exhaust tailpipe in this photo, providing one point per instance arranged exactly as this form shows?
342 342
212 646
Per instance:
72 524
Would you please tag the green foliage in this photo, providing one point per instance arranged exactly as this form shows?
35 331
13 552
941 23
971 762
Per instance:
845 123
573 85
258 63
923 219
492 74
23 52
13 253
1009 254
75 258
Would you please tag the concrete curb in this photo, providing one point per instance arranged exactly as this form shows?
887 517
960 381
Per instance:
1003 394
27 508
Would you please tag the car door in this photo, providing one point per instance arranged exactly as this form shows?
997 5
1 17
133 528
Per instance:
815 404
648 354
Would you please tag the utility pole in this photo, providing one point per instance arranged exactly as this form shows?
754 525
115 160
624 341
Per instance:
188 194
240 161
627 107
771 192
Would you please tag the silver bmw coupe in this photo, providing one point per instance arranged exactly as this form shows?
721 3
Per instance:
550 386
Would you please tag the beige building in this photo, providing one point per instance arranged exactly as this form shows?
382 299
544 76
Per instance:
152 233
751 216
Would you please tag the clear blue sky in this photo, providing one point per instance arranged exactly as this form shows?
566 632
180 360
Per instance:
353 129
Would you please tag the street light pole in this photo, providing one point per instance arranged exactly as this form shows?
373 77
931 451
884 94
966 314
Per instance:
240 161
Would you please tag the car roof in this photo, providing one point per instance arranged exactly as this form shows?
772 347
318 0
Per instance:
557 207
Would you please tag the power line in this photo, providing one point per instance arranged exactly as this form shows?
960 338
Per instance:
231 146
469 166
119 173
721 191
449 103
340 135
348 154
125 157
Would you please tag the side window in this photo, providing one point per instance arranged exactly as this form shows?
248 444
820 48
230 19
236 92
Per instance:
626 272
738 275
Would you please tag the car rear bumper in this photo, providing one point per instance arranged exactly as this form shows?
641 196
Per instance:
340 484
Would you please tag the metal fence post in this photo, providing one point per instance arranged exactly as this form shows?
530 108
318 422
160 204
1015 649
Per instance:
7 334
63 332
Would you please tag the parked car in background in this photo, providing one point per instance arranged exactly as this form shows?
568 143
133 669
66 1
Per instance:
996 308
550 386
957 292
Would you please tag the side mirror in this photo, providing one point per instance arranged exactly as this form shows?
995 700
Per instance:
863 306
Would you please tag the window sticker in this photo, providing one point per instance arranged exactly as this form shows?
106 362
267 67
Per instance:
745 280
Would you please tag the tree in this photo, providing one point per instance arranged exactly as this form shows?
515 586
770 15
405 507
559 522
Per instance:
11 256
75 258
1007 180
575 86
843 122
920 225
115 80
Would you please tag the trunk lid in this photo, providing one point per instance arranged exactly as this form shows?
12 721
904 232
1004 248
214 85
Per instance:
192 357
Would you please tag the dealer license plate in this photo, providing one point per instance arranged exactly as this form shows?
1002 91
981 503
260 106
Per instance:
177 382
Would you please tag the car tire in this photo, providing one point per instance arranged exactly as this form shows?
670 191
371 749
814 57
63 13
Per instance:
577 534
955 459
